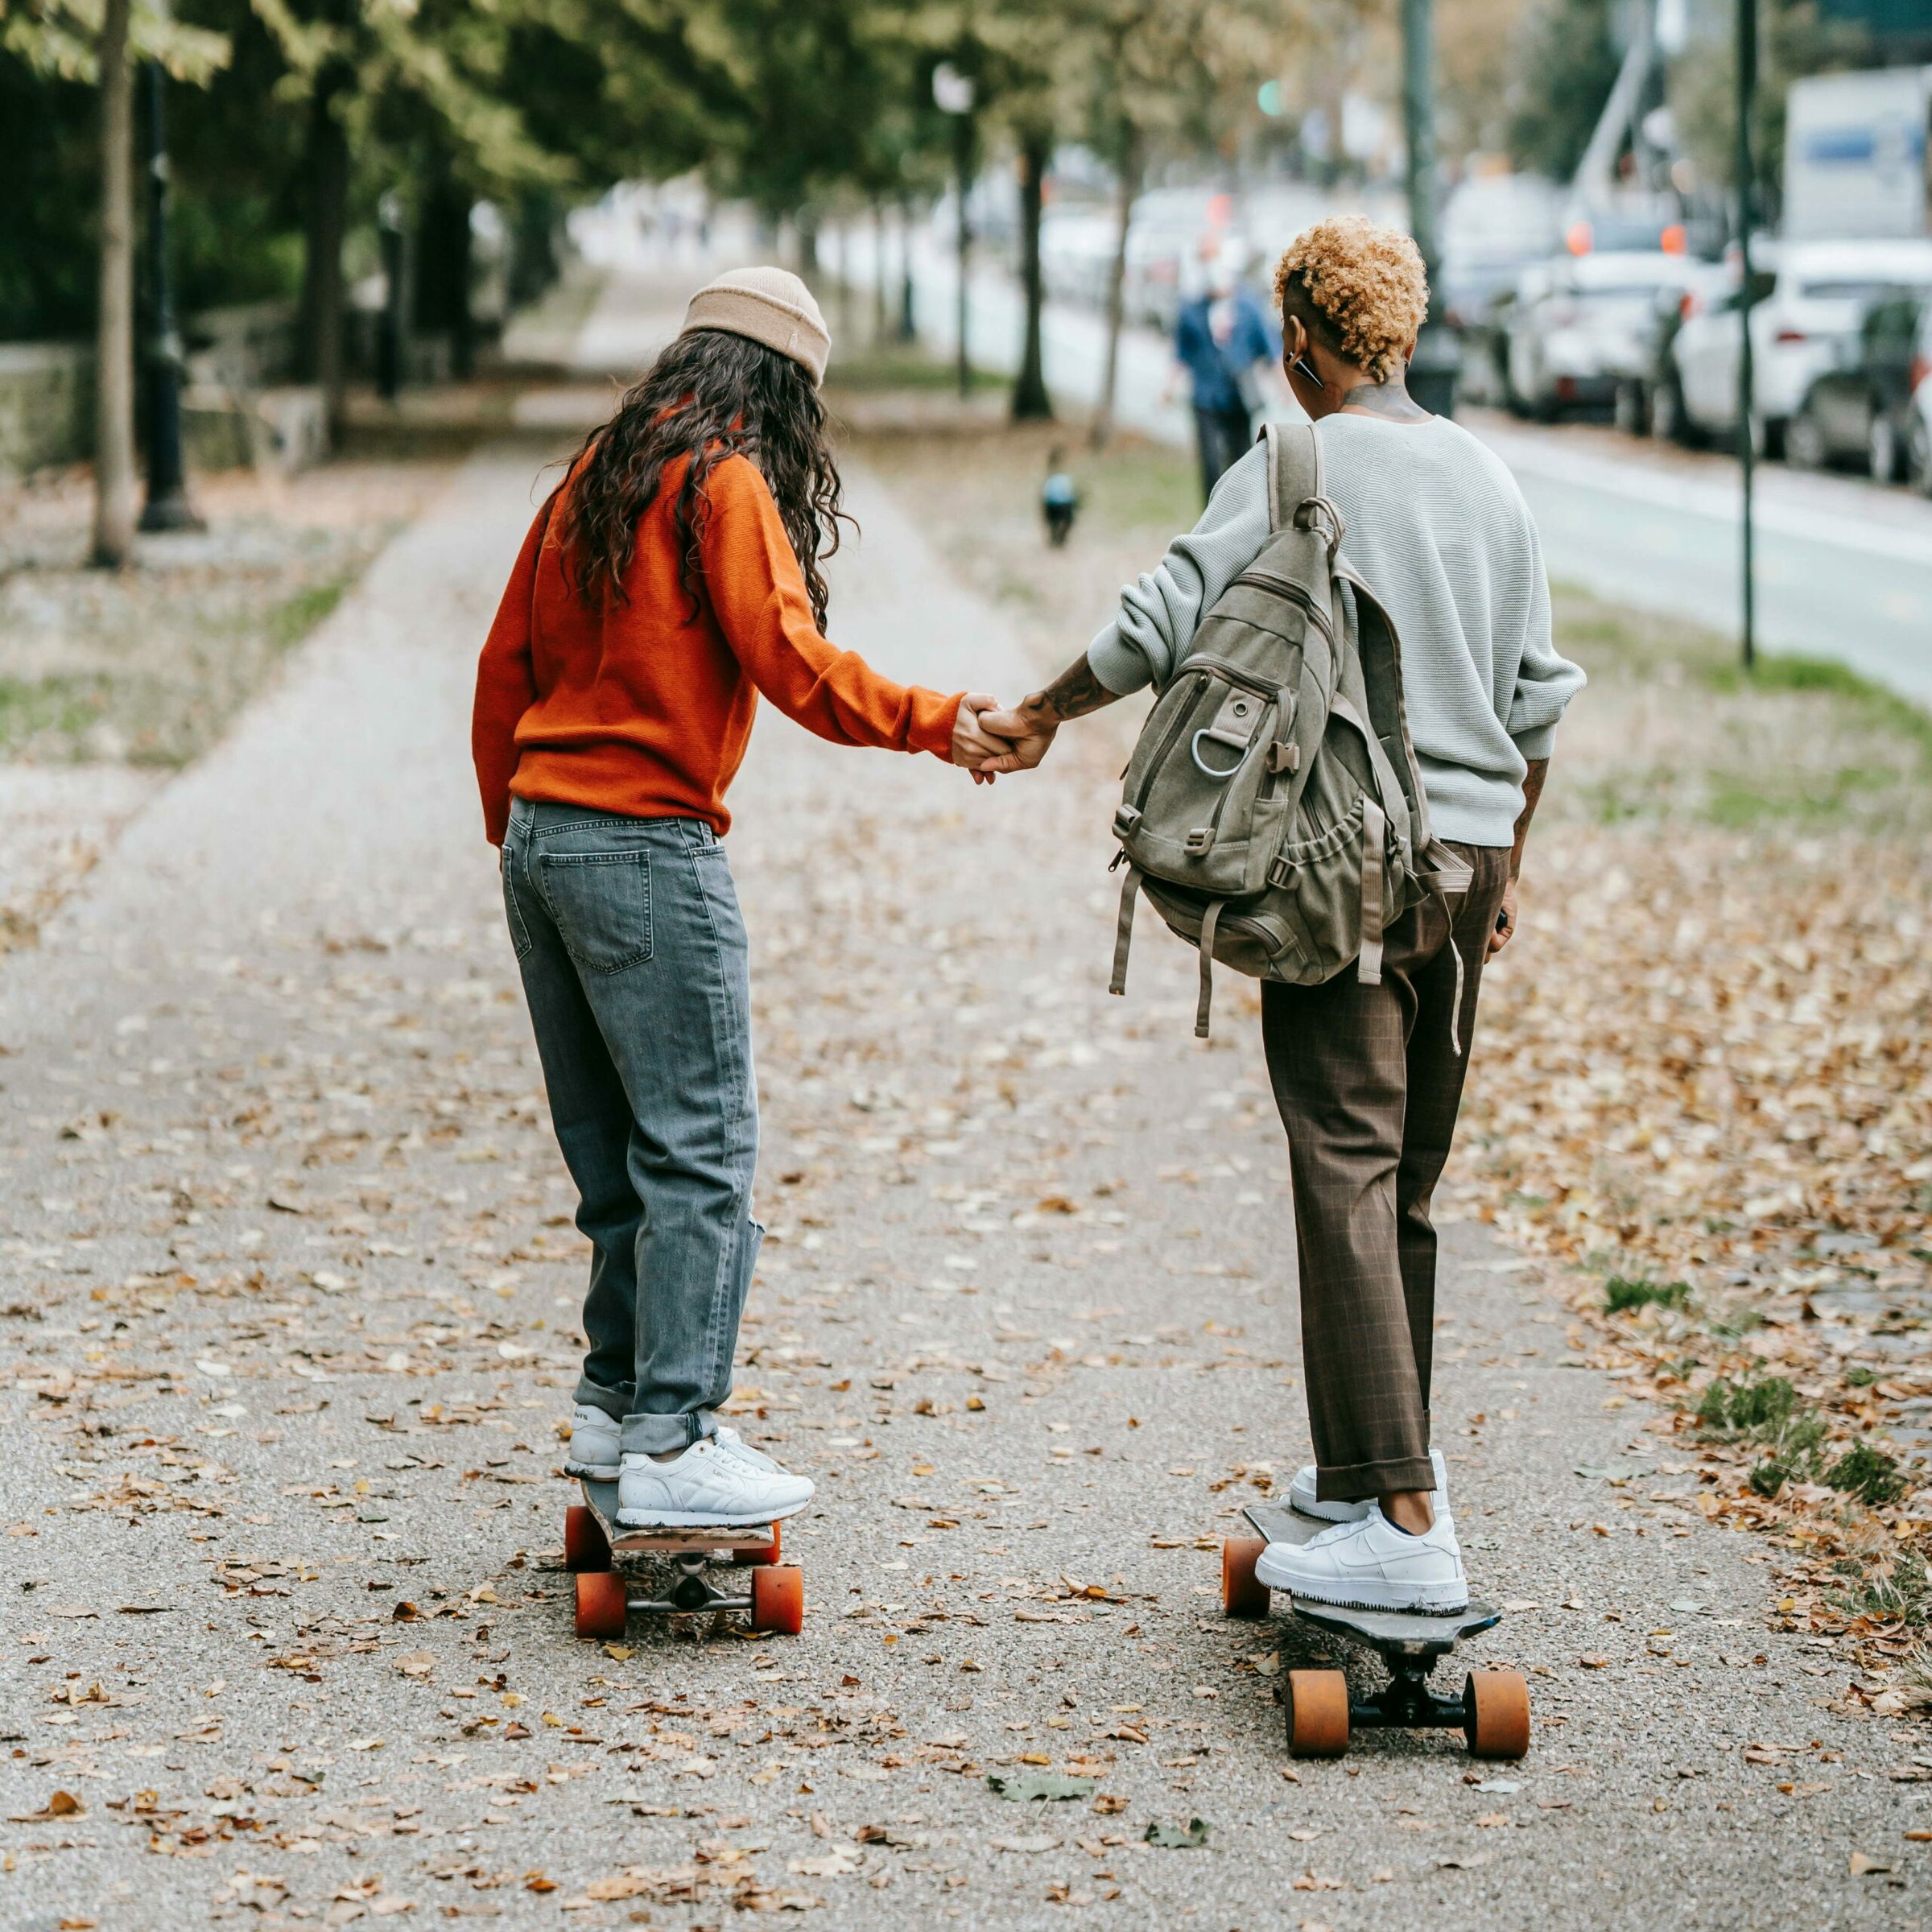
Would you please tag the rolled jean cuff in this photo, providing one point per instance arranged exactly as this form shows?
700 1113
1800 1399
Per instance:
660 1434
614 1402
1357 1482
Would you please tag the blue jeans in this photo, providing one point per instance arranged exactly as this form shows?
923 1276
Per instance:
634 966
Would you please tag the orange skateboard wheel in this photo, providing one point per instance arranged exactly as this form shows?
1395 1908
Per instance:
1318 1713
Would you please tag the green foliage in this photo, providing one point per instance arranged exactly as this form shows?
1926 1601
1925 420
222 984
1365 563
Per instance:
1622 1293
1756 1407
291 621
1868 1474
1568 66
1859 1376
47 147
1900 1593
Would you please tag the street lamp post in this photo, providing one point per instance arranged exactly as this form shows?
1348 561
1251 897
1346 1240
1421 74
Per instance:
1432 374
167 506
1746 88
952 93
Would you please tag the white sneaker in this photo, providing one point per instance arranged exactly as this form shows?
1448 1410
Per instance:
1302 1500
1371 1565
596 1444
719 1482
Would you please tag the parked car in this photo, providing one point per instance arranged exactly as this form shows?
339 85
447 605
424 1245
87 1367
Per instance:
1806 305
1862 412
1579 323
1649 400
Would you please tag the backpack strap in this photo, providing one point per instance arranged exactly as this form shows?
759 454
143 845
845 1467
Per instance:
1123 937
1294 470
1375 835
1210 919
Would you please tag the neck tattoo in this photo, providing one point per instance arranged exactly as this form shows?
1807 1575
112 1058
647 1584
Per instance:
1388 399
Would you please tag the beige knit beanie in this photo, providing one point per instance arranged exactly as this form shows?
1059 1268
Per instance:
770 305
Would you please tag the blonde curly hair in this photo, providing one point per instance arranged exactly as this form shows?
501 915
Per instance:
1360 288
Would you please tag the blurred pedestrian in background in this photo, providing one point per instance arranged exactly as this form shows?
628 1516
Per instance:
1059 499
1222 340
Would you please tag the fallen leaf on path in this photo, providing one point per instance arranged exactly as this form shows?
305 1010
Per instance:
1031 1787
1189 1837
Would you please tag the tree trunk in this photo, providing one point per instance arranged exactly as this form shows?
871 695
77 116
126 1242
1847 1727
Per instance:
325 167
1129 193
1030 401
113 539
880 298
533 256
805 228
908 319
444 259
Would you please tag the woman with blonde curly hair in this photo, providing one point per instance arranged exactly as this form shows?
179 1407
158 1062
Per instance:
1368 1078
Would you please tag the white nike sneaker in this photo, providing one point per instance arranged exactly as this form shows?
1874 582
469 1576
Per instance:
1371 1565
596 1444
1301 1500
721 1482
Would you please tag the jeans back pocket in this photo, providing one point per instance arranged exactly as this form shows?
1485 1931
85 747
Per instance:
601 903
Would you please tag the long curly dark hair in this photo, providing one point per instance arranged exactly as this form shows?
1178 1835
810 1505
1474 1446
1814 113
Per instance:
711 395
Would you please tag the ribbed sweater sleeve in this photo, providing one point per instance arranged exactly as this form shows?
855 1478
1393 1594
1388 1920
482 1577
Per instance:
758 593
1161 610
505 685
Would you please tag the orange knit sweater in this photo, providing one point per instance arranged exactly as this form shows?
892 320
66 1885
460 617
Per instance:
644 708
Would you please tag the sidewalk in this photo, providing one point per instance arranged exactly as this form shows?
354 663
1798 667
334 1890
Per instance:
289 1324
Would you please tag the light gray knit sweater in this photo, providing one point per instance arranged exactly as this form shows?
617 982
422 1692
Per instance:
1439 530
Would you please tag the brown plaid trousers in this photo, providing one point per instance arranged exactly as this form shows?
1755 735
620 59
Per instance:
1368 1081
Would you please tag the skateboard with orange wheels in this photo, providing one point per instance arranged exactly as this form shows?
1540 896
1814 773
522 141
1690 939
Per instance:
774 1593
1492 1712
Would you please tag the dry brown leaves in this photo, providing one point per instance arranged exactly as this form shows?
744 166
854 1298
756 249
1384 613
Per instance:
1710 1060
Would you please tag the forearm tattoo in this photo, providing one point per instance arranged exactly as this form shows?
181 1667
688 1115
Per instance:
1073 693
1533 790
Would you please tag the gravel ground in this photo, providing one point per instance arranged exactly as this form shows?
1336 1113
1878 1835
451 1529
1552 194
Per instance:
288 1331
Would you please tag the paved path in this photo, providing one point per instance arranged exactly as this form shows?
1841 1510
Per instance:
288 1326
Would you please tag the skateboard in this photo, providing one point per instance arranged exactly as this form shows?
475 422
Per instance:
773 1597
1492 1712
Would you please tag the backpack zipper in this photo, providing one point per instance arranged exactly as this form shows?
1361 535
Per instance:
1267 579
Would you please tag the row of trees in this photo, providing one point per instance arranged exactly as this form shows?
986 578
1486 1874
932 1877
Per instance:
298 116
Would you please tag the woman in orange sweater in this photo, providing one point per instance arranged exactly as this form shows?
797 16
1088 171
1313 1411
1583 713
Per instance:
671 578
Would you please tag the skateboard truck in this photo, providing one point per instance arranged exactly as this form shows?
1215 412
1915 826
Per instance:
1492 1712
593 1540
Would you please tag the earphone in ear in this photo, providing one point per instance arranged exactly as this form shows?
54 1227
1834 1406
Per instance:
1303 367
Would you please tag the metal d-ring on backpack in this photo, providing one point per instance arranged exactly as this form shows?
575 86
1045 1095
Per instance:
1273 811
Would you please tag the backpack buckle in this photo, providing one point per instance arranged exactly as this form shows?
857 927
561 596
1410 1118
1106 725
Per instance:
1284 757
1125 818
1280 874
1199 840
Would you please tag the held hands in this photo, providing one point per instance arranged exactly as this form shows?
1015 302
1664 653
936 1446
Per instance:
979 751
1027 731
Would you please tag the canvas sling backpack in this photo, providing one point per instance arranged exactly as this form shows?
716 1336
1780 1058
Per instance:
1271 810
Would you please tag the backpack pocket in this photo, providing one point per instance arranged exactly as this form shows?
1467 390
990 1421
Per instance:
1200 808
